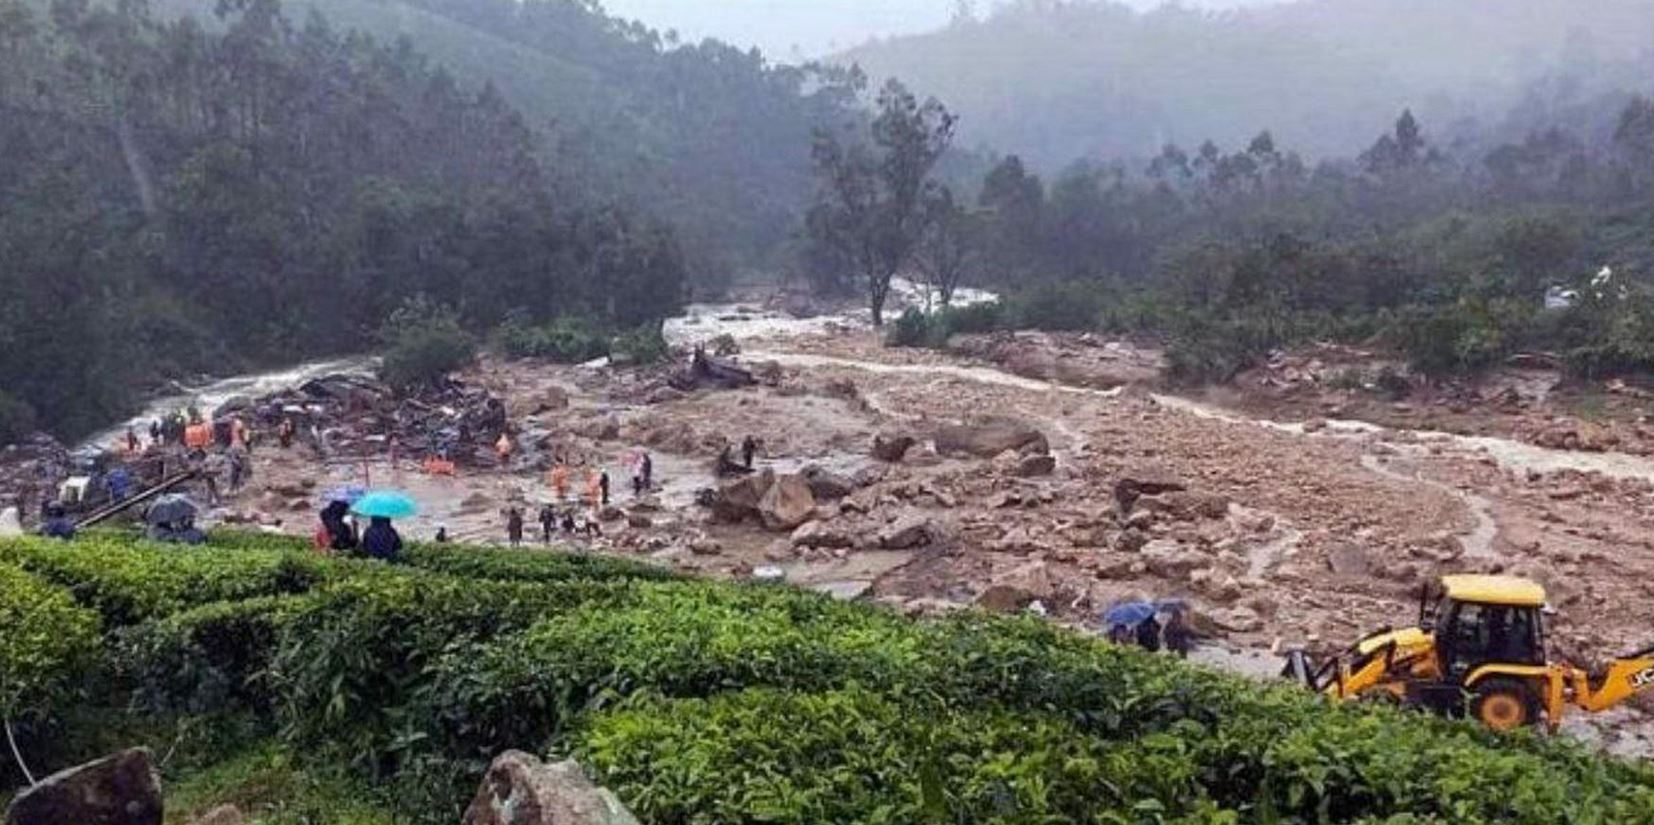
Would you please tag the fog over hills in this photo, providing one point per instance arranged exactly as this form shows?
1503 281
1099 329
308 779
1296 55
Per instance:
1089 78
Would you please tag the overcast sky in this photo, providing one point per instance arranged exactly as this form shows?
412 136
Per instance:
787 28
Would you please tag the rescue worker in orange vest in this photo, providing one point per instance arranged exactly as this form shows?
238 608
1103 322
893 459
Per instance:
594 489
560 480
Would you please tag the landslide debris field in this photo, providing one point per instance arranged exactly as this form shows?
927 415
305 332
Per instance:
1049 473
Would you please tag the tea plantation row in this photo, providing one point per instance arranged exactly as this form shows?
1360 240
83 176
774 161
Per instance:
702 702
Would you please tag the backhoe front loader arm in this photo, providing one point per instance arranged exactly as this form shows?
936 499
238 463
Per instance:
1625 678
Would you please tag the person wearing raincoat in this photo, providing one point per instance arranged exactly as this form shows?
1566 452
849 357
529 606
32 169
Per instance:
381 541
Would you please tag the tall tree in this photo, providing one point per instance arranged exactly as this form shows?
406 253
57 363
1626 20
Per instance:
872 191
950 246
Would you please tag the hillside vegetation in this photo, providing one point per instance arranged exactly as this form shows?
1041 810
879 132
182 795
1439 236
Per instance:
709 137
700 702
191 195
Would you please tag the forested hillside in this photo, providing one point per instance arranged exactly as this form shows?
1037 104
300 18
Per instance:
1058 80
197 195
709 137
1444 253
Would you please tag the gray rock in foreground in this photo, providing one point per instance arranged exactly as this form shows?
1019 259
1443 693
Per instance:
521 790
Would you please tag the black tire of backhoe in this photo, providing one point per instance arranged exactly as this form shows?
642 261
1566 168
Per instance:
1504 685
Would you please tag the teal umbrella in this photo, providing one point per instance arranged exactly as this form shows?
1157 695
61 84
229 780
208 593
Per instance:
385 504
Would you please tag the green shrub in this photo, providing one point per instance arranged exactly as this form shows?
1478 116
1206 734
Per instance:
975 319
680 639
910 329
565 340
207 659
529 565
353 656
129 582
709 702
643 345
45 639
855 757
1059 307
422 343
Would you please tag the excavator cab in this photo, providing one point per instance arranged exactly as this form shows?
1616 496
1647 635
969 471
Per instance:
1489 650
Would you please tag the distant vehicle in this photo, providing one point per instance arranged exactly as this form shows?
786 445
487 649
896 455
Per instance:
1478 650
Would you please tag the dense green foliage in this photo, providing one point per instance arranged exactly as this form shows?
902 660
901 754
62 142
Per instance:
44 638
706 702
423 343
1445 254
187 195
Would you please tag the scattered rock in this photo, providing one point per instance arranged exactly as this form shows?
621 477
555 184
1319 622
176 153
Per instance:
705 547
1237 620
892 448
818 534
611 514
989 439
639 521
1349 559
1144 481
1183 505
907 533
1035 466
122 789
1131 541
1171 560
521 790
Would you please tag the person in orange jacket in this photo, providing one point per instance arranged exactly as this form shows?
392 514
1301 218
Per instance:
560 480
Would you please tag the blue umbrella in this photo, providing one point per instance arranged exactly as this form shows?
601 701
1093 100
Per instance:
1128 613
385 504
349 494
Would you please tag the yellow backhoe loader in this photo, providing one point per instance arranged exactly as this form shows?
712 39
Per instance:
1478 650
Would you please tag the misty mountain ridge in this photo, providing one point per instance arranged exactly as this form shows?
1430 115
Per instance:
1056 81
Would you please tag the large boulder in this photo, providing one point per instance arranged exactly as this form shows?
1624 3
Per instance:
892 448
827 485
787 504
990 438
521 790
123 789
1016 589
738 500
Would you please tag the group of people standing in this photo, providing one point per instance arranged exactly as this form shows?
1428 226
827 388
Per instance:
598 494
338 535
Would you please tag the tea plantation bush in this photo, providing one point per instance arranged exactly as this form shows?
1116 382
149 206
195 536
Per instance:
702 702
44 640
853 756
